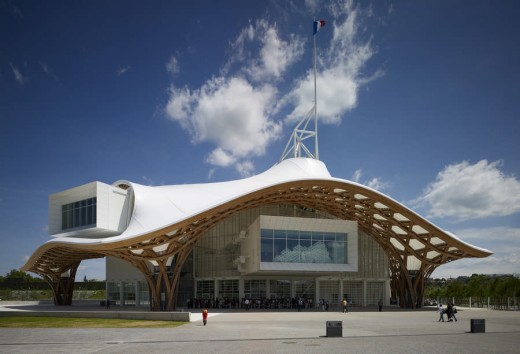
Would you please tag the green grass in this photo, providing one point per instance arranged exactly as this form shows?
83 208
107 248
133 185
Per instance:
56 322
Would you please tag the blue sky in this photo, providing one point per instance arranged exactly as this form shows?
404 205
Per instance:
418 99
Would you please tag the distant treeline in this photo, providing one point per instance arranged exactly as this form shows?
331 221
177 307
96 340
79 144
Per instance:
18 280
476 286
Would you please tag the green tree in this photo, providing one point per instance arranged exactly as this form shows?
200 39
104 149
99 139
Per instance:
18 275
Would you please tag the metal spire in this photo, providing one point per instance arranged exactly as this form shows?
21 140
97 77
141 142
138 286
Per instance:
302 131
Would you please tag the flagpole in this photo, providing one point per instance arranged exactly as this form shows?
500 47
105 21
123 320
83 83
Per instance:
315 105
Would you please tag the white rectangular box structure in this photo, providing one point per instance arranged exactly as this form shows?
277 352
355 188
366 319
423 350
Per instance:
103 210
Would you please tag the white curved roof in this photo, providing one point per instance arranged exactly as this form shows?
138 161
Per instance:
160 210
158 207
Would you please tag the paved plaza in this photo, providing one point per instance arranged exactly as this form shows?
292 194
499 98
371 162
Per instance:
363 331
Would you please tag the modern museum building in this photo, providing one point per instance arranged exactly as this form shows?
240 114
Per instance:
292 232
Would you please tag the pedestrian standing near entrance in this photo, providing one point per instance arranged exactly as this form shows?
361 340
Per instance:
380 304
345 306
205 316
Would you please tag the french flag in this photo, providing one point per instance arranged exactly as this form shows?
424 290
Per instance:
317 25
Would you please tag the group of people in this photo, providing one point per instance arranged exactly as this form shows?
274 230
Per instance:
450 310
248 304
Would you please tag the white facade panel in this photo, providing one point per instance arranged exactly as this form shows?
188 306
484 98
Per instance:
118 270
113 206
250 248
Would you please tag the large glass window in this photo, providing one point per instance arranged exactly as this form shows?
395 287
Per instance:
254 289
228 289
353 291
77 214
293 246
205 289
375 292
280 289
114 292
305 289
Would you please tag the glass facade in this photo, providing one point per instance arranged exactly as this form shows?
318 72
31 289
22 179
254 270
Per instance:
280 289
144 294
293 246
375 291
305 289
129 294
228 289
205 289
329 291
78 214
353 292
213 272
254 289
114 292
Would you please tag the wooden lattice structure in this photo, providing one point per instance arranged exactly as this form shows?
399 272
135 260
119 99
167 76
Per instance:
415 247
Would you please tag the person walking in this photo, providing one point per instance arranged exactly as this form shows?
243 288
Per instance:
380 304
441 313
345 306
205 316
451 311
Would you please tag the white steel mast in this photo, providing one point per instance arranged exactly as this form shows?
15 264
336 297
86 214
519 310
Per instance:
302 131
316 152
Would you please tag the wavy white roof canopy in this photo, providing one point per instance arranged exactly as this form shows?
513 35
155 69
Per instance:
305 181
167 221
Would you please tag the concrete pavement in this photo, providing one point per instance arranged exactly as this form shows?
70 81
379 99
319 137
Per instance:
364 331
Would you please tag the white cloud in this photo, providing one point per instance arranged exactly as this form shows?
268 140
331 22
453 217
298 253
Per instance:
219 157
356 177
47 70
237 110
498 263
245 168
273 58
339 72
238 127
151 182
18 75
312 5
464 191
172 66
211 173
375 183
504 242
495 264
493 234
123 70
